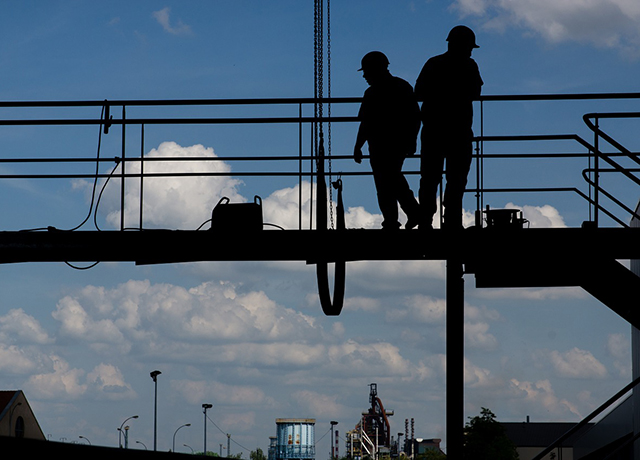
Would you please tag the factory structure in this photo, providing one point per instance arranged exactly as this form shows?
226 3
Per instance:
371 438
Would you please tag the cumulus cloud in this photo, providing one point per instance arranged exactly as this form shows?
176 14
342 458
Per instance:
196 391
478 377
63 382
619 348
18 327
604 23
420 309
179 28
539 398
476 328
172 202
317 404
574 363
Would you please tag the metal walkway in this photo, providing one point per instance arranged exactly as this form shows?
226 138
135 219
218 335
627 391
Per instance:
582 256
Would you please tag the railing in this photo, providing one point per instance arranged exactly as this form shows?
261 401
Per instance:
296 152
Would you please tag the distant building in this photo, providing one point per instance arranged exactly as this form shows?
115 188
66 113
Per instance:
530 438
16 417
416 447
295 439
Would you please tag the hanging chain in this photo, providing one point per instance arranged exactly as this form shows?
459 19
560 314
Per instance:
318 60
329 108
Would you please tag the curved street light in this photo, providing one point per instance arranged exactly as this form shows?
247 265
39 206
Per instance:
85 438
120 430
143 444
154 375
174 436
204 410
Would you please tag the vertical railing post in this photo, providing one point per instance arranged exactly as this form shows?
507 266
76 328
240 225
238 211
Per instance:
122 168
300 166
596 167
141 171
480 170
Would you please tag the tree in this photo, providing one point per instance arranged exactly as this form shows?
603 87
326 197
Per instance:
486 439
257 454
432 455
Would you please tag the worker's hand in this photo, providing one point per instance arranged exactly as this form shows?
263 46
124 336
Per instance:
412 149
357 155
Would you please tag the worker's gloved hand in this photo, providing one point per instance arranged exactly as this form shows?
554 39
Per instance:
357 155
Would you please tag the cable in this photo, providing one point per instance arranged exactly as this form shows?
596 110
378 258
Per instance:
226 434
95 180
315 443
104 186
82 268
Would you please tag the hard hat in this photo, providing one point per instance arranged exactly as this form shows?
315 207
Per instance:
462 35
374 60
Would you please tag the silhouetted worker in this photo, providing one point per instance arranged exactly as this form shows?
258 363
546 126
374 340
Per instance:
446 86
389 124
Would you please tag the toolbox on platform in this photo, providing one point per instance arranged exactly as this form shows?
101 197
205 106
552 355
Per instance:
242 217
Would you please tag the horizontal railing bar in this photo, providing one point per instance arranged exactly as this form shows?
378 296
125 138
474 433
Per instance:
175 121
285 101
284 158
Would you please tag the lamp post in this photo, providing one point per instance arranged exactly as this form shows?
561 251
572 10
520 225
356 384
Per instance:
86 439
333 439
143 444
173 448
154 376
120 430
204 410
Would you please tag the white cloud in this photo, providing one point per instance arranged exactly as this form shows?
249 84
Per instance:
171 202
539 398
196 391
317 404
106 380
478 377
17 326
64 382
539 216
604 23
162 16
420 309
18 361
476 328
619 348
574 363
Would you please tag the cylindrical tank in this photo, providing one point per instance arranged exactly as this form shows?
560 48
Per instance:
295 439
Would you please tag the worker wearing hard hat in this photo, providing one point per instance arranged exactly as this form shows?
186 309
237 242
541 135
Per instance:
446 86
389 124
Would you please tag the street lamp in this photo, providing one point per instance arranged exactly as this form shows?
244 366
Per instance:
174 436
120 430
154 376
333 439
204 410
86 439
143 444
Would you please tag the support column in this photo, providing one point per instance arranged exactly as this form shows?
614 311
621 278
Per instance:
455 358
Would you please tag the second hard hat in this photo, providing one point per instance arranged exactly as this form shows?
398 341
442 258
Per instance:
462 35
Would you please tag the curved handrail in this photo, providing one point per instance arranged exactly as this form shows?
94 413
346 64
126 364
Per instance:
585 176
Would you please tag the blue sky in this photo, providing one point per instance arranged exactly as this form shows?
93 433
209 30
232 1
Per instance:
250 338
